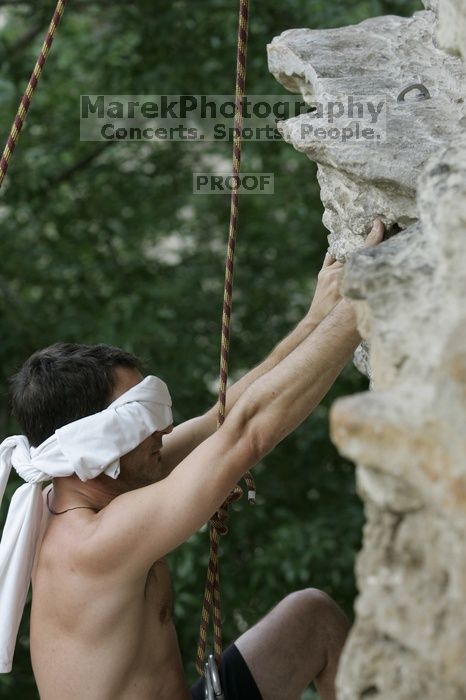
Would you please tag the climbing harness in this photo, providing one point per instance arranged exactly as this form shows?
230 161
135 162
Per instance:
25 103
218 527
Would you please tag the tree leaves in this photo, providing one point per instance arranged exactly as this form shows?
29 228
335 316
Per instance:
107 243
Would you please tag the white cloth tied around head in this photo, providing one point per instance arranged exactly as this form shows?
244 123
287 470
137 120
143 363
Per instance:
87 447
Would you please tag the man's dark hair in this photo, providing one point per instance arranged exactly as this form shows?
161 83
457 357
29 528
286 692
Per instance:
65 382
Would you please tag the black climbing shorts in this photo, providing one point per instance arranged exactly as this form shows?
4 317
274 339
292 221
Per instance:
236 678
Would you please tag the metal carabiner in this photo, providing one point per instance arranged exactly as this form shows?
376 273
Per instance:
214 674
209 688
213 686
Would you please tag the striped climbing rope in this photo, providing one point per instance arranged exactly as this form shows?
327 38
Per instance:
218 526
25 103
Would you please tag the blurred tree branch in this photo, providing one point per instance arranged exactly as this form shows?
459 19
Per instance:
23 41
68 173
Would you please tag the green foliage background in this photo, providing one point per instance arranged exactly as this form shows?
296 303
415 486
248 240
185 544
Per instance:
81 228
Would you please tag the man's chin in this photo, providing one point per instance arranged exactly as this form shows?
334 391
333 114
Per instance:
144 482
137 479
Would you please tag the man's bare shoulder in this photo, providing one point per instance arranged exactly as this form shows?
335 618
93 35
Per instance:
142 526
68 541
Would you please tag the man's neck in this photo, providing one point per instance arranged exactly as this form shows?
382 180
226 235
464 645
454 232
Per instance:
70 491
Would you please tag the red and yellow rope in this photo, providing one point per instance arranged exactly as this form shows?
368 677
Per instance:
25 103
218 527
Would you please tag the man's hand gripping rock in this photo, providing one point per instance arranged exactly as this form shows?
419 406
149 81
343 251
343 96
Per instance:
327 294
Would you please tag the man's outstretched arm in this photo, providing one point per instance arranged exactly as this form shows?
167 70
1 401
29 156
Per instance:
153 520
188 435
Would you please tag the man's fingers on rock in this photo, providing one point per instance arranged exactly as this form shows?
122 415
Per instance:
328 260
376 234
331 270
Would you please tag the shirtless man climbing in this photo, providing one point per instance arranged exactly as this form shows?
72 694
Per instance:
101 621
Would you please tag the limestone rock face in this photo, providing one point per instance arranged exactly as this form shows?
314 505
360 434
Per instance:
451 32
407 435
374 61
